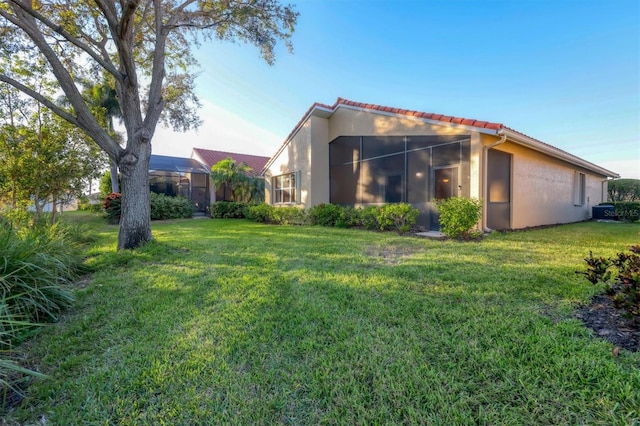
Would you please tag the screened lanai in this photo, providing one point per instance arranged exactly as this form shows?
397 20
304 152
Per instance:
175 176
373 170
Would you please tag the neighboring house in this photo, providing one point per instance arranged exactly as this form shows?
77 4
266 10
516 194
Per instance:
209 158
174 176
359 154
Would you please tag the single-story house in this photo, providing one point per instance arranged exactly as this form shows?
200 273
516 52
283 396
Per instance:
208 158
358 154
189 177
175 176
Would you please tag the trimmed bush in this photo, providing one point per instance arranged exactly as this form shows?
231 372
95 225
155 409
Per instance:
164 207
229 210
262 213
289 216
369 217
348 217
458 216
628 211
398 217
324 214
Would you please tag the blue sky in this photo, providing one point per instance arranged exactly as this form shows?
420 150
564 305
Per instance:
566 72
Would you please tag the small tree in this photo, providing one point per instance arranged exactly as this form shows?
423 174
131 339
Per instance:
43 159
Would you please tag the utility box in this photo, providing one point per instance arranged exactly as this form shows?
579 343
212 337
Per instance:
604 212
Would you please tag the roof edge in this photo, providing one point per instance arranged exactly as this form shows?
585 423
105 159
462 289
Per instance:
537 145
325 111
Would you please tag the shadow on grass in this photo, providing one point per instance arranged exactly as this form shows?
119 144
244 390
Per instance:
254 324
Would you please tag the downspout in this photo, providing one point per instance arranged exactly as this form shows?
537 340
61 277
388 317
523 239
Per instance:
485 166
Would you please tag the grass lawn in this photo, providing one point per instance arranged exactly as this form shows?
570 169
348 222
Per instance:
233 322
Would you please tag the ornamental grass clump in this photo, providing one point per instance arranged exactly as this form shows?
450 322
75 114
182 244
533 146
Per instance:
38 264
459 216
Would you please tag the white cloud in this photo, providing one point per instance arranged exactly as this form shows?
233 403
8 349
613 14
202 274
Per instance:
221 130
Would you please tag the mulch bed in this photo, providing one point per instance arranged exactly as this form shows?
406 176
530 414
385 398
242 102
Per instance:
610 323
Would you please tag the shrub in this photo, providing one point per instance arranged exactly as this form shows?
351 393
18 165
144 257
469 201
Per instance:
228 210
260 213
458 216
112 206
628 211
348 217
369 217
324 214
288 216
164 207
37 262
398 217
624 289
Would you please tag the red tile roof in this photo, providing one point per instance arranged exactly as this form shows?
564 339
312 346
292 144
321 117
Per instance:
427 115
209 157
494 128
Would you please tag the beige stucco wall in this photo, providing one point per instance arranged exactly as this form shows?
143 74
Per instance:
307 158
312 159
542 188
348 122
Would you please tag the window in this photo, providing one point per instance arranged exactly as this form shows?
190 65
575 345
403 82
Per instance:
579 189
284 189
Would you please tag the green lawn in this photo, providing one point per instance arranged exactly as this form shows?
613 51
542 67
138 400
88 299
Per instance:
233 322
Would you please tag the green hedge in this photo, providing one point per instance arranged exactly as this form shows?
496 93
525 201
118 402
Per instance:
229 210
400 217
162 207
628 211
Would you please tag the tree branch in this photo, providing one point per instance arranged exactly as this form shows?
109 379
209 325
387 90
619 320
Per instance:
40 98
58 29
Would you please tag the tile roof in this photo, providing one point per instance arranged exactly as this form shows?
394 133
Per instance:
490 127
209 157
427 115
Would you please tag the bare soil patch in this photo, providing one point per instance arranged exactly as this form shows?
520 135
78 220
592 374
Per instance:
610 323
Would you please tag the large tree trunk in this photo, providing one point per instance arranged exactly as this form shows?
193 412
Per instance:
135 219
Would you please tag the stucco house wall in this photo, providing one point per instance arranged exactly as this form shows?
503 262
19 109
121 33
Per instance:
542 178
543 188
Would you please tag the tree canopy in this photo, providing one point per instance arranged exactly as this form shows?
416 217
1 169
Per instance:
624 190
43 159
144 46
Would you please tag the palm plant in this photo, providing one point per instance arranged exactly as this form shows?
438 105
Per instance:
234 176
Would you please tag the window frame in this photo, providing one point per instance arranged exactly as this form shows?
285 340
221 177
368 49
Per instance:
292 189
579 188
